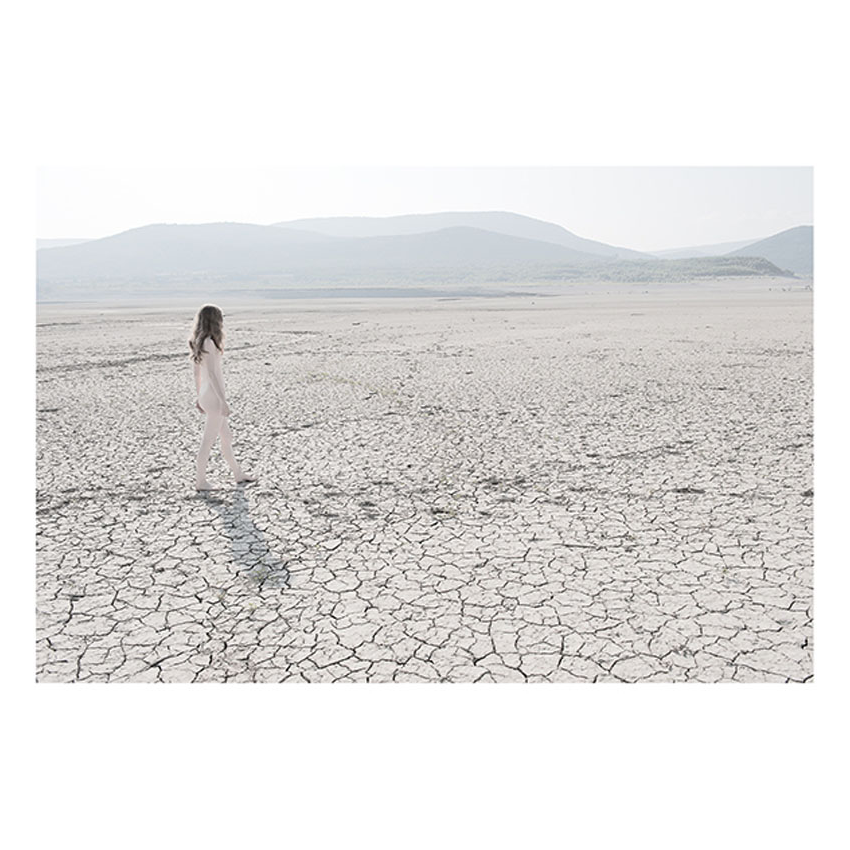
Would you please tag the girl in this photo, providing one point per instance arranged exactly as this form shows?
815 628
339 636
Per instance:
206 346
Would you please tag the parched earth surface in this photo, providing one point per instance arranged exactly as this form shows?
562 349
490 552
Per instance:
520 489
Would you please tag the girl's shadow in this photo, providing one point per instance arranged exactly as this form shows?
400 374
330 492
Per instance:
249 549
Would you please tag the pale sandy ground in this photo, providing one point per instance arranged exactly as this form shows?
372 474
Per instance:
610 487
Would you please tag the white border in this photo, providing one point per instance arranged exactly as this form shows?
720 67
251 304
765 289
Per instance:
466 83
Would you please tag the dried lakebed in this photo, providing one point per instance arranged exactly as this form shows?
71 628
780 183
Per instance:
563 489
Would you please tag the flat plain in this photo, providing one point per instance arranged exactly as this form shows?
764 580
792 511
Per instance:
608 486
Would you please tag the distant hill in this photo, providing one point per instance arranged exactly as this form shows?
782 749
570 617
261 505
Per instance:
455 246
791 249
507 223
58 243
714 250
244 249
174 249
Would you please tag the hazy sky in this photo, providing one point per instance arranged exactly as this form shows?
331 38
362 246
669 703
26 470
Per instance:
643 208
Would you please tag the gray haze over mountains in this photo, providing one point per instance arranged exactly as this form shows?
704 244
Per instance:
507 223
792 249
410 251
716 250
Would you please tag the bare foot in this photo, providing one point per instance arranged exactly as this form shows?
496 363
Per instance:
203 485
245 477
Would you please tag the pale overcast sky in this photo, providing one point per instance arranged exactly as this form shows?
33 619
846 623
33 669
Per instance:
643 208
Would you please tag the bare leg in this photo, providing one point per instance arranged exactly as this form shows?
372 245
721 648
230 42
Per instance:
211 431
227 449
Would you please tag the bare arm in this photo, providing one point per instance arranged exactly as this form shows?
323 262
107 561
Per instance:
197 370
216 376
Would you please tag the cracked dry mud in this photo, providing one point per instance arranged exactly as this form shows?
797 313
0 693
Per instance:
561 489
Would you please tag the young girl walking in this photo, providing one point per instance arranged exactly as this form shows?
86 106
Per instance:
207 345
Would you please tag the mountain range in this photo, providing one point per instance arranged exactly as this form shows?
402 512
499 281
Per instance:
506 223
449 247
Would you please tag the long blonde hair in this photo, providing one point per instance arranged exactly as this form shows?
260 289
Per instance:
208 323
